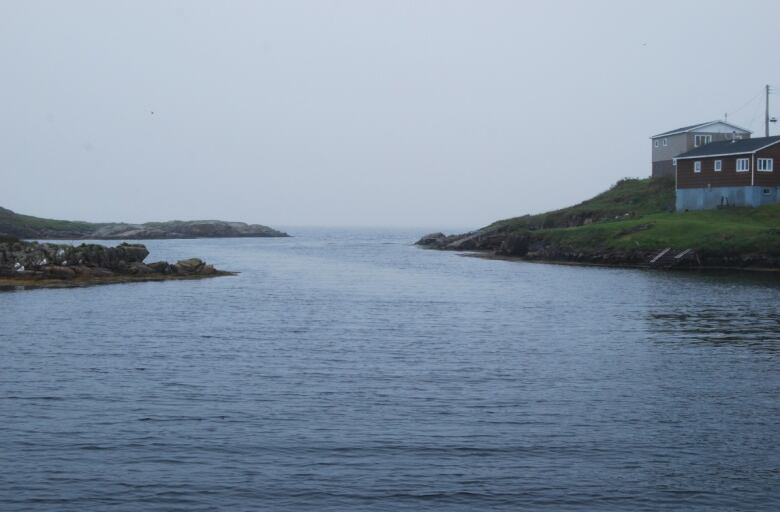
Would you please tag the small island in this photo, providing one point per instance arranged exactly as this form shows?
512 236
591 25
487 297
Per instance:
37 228
43 265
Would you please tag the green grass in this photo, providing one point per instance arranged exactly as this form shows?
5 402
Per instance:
627 199
638 214
726 231
25 225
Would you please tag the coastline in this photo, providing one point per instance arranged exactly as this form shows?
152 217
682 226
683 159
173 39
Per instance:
487 255
27 283
631 225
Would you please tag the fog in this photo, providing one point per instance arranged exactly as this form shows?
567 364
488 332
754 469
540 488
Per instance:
366 113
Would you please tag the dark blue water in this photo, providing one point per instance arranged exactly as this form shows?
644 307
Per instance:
351 371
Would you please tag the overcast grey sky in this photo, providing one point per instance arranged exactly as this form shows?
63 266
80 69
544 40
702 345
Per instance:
385 113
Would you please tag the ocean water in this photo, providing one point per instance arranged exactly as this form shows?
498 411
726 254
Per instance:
350 370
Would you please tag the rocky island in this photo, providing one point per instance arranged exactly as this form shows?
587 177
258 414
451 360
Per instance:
26 226
44 265
632 224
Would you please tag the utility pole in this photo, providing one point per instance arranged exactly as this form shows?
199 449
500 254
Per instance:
766 114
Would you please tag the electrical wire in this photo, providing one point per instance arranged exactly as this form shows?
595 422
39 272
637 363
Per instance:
731 113
758 112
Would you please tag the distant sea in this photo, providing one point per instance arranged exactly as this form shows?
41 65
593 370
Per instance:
350 370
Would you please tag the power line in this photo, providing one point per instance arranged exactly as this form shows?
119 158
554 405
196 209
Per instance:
758 113
759 93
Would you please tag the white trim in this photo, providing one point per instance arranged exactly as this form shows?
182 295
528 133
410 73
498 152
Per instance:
761 160
713 156
730 154
667 134
747 169
717 165
697 166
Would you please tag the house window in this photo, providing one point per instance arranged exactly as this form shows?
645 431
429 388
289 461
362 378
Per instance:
664 141
718 165
700 140
765 165
767 191
656 143
697 166
743 164
674 162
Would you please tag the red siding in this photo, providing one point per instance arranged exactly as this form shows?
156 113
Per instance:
727 177
769 179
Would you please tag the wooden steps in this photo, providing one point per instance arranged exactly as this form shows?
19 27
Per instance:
669 257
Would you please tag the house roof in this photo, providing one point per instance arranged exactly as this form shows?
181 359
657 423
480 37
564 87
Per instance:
728 147
697 126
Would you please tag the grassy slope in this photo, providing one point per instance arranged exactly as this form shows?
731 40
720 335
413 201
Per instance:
629 198
20 225
730 231
636 214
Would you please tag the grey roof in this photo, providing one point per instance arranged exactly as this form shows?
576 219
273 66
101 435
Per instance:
694 126
728 147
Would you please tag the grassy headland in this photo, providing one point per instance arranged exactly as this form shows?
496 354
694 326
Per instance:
629 224
629 198
29 227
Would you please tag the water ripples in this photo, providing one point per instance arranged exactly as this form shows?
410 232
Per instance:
351 371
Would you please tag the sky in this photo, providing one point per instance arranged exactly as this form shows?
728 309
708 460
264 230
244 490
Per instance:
359 113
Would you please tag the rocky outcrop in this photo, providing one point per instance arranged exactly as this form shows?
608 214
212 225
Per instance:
46 264
481 240
23 226
184 229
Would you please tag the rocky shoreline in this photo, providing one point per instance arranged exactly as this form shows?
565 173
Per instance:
44 265
532 246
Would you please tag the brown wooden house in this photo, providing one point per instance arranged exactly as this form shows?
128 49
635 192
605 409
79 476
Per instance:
729 173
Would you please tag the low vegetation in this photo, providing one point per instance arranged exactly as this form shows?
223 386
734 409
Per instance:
627 199
724 231
25 226
21 226
629 224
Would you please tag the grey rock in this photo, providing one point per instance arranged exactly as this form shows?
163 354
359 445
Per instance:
53 261
431 239
59 272
190 266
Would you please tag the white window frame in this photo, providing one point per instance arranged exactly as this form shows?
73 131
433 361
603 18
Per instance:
746 167
698 138
674 162
717 166
764 164
656 142
697 166
665 142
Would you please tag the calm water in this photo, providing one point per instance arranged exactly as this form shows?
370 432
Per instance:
351 371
